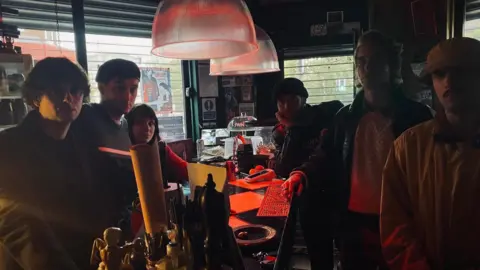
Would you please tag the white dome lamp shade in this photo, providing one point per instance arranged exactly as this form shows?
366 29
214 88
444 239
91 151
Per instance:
202 29
263 60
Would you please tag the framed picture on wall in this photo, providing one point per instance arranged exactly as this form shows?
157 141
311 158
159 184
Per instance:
247 108
246 94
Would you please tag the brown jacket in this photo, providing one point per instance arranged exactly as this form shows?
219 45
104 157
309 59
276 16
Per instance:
430 197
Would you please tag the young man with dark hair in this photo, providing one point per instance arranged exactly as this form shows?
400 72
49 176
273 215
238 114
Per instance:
103 124
105 129
51 199
298 132
431 182
351 159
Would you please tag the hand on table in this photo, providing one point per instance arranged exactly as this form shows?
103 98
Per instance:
293 183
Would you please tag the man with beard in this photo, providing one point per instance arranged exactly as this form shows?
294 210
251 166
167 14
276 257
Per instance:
431 182
349 163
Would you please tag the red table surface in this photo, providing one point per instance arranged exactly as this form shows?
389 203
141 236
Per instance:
245 201
253 186
235 222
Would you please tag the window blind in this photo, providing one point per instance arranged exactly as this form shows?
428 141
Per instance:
472 10
471 27
119 17
326 78
46 27
47 15
107 17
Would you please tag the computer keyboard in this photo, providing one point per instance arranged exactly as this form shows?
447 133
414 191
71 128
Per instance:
273 203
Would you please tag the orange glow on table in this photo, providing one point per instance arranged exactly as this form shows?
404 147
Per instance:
235 222
253 186
245 201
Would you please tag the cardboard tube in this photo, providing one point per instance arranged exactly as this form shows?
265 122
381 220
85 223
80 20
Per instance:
148 175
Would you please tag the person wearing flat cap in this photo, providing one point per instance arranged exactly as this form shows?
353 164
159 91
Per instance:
431 181
296 135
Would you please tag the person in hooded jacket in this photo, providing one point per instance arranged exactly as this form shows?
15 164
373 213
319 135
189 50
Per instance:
299 131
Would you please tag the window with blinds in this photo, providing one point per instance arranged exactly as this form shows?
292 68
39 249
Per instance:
124 18
46 28
326 78
114 29
122 29
472 19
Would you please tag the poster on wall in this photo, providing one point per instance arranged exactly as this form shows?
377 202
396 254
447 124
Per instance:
209 109
247 95
233 81
231 102
156 89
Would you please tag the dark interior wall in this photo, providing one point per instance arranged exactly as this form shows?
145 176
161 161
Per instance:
288 25
400 19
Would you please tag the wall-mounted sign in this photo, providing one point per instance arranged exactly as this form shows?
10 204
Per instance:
247 108
209 125
334 17
246 94
318 30
171 127
233 81
209 109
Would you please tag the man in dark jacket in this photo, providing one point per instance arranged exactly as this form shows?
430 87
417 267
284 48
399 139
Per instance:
297 134
300 125
53 203
355 149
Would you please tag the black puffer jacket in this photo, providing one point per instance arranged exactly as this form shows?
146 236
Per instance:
296 143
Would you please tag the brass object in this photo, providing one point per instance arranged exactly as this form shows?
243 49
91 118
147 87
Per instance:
149 178
137 256
199 236
107 252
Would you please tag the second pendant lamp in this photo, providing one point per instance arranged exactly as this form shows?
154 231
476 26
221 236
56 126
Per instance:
263 60
202 29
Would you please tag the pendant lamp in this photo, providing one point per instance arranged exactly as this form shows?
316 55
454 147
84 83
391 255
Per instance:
202 29
263 60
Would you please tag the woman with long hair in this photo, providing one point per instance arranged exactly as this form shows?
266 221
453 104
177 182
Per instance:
143 128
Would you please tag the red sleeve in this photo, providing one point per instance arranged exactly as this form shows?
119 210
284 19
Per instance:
281 129
177 166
